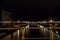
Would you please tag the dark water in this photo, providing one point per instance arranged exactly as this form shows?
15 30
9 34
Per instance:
34 33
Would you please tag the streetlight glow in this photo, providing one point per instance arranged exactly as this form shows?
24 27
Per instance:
51 20
56 31
41 26
27 26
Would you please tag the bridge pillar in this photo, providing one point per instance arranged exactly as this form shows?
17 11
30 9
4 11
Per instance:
51 32
23 32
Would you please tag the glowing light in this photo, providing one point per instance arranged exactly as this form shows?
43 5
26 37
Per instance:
18 33
41 26
27 26
56 31
51 20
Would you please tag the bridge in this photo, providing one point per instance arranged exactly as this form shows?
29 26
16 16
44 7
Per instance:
26 30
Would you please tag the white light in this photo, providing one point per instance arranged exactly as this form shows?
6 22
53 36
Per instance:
27 26
18 33
51 20
56 31
41 26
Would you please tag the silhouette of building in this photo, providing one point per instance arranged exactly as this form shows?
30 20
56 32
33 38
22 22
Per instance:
5 16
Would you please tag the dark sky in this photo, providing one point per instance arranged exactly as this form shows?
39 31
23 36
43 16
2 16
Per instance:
34 9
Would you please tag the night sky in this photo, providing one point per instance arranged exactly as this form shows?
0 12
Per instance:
32 9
